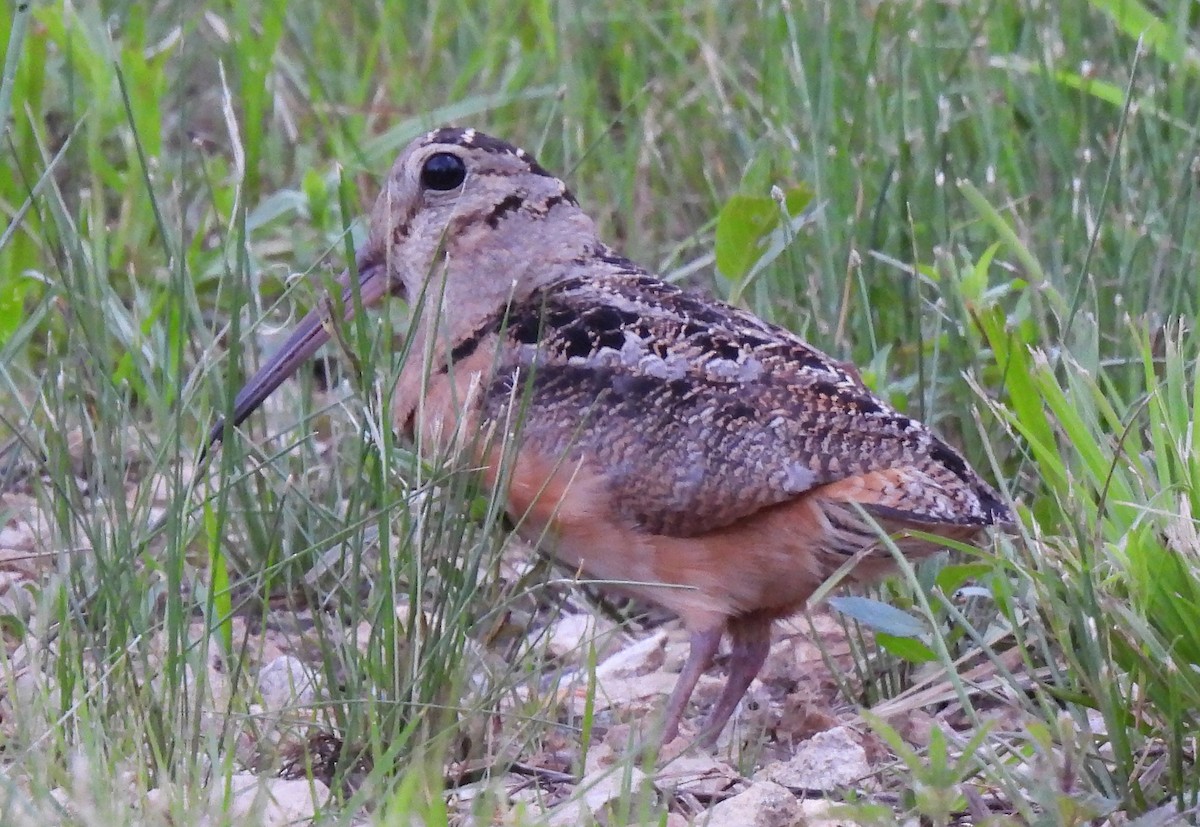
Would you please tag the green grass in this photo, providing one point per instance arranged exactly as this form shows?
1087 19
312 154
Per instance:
1003 237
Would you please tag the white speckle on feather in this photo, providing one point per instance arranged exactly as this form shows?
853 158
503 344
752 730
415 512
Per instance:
750 370
799 478
633 350
635 354
673 367
722 368
734 371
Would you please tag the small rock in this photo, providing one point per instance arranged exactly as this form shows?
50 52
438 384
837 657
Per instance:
567 640
820 812
236 795
362 636
62 797
698 774
765 804
1096 722
915 726
603 755
270 802
639 659
285 682
805 714
525 798
623 693
156 805
672 820
17 594
599 790
34 689
628 676
826 761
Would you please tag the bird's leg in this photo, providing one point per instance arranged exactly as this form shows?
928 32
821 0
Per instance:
751 642
704 647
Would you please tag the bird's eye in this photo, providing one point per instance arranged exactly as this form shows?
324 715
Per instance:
443 171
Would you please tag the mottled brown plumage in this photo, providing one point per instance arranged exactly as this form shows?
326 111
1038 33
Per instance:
715 463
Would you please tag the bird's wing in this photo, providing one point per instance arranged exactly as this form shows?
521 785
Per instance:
697 414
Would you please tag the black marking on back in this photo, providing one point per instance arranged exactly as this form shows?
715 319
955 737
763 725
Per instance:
491 325
741 410
525 324
573 331
469 345
619 261
608 319
636 386
711 342
463 350
943 453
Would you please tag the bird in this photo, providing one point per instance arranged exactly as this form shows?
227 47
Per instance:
639 432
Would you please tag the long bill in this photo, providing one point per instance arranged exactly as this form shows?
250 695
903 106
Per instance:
310 333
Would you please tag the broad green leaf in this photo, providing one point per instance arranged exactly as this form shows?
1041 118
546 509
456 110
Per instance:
742 224
880 617
952 577
906 648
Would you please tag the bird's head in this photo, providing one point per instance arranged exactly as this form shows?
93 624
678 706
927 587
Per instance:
463 224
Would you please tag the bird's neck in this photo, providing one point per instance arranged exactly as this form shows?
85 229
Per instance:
521 258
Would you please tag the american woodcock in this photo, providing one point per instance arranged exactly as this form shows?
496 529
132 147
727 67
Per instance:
715 463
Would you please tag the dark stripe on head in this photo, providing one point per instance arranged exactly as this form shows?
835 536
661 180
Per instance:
478 140
554 200
510 203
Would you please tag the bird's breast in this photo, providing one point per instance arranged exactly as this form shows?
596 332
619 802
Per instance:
437 402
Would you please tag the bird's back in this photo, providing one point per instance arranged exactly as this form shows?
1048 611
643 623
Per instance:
697 414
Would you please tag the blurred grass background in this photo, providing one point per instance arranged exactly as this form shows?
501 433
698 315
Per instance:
1004 238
